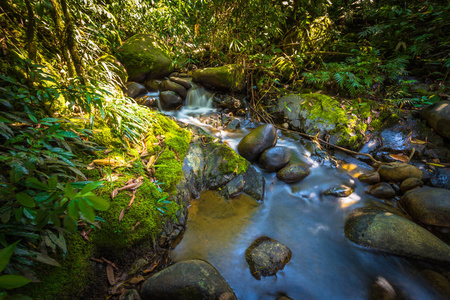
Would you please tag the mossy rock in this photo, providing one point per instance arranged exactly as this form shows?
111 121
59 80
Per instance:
69 280
228 77
318 113
144 57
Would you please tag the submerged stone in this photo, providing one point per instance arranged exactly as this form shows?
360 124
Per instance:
257 141
381 289
293 173
275 158
370 178
266 257
382 230
428 205
190 279
398 172
339 191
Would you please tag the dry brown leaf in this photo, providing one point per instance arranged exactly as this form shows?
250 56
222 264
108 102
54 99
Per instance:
122 213
150 269
107 151
132 199
114 193
137 279
110 274
417 141
399 157
135 225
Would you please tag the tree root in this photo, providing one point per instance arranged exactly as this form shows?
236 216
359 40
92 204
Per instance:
320 141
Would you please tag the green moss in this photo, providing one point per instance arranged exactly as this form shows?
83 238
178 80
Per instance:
105 137
118 235
231 160
225 77
69 280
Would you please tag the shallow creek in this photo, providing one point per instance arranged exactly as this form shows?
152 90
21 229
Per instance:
324 264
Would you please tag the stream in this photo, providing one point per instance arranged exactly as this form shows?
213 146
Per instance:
324 264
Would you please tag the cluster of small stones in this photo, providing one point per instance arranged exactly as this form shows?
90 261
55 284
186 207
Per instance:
172 91
259 146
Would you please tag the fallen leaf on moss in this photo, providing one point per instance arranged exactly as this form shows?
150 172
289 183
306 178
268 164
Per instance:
110 274
122 213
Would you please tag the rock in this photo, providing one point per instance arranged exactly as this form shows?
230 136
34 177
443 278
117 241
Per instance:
130 295
266 257
440 178
370 178
275 158
398 172
438 281
339 191
382 230
190 279
235 123
284 298
410 183
428 205
228 101
137 265
254 143
381 289
185 83
147 100
293 172
381 190
152 85
438 117
144 57
134 89
254 183
167 85
170 100
228 77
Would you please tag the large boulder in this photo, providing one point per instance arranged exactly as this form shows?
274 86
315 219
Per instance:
191 279
266 257
170 100
382 230
275 158
228 77
438 117
257 141
397 172
143 57
428 205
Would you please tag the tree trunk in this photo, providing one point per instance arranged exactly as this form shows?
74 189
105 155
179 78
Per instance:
31 32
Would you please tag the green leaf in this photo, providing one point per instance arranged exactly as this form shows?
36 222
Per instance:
70 224
73 210
18 213
91 186
25 199
69 192
16 173
49 120
86 210
98 202
5 255
52 182
68 134
32 182
47 260
8 282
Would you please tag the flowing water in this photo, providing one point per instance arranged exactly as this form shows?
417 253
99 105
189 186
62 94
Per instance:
324 264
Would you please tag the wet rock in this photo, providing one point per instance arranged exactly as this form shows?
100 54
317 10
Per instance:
152 85
167 85
228 77
190 279
134 89
254 183
293 173
438 281
370 178
254 143
339 191
233 124
382 230
170 100
398 172
438 117
381 190
275 158
234 187
381 289
143 57
440 178
137 265
147 100
410 183
428 205
228 101
266 257
185 83
284 298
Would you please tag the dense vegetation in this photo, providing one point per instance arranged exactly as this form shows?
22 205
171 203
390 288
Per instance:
58 85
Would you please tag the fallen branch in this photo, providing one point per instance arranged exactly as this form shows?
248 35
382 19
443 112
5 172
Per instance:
318 140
